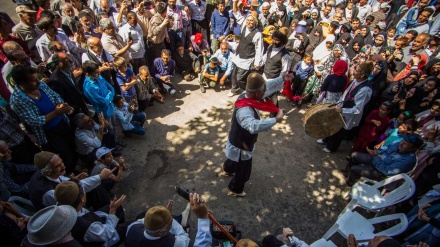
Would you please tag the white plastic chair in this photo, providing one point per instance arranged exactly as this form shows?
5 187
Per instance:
323 243
369 194
363 229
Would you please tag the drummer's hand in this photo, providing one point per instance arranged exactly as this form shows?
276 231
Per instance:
338 109
280 115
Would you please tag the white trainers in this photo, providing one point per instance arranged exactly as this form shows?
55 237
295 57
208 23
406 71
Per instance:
326 150
242 194
230 94
320 141
172 91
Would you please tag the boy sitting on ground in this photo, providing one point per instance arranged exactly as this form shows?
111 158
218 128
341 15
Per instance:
210 73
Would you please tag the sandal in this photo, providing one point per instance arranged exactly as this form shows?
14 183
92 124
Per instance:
122 144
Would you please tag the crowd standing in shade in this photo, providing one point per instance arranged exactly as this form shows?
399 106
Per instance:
77 73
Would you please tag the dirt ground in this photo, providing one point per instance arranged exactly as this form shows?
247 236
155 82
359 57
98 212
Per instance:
293 183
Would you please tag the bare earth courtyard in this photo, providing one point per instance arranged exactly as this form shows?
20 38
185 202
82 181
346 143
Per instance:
293 183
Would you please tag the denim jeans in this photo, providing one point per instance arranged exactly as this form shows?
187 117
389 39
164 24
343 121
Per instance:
138 121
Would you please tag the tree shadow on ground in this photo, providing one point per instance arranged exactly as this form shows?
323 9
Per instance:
292 183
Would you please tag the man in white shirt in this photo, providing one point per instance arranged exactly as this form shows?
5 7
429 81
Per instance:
133 32
249 51
364 10
46 25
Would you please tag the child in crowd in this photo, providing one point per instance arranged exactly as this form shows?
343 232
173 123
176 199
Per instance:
206 55
396 134
394 124
303 70
105 160
391 35
210 74
375 123
132 123
125 78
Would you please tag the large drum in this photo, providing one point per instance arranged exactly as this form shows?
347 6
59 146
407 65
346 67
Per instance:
322 121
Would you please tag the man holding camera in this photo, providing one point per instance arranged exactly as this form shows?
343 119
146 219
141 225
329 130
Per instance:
157 32
132 33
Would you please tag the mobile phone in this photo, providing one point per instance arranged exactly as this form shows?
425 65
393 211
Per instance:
52 65
129 36
183 193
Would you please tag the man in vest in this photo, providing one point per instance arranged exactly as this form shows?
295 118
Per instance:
351 106
245 126
91 228
276 62
50 173
158 228
249 50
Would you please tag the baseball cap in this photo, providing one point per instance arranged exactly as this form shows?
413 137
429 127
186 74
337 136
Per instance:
198 37
385 6
24 9
415 139
103 151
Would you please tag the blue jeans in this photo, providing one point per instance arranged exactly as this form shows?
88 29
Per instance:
138 121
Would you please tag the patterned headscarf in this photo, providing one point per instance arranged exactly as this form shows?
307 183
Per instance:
330 62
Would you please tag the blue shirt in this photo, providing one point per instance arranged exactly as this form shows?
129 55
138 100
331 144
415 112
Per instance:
391 162
160 69
226 65
46 106
29 113
124 117
209 70
100 94
131 92
220 24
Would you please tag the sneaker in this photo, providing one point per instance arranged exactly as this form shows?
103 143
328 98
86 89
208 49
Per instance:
230 94
326 150
320 141
202 88
225 174
172 91
242 194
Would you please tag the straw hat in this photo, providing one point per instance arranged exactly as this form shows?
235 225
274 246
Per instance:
51 224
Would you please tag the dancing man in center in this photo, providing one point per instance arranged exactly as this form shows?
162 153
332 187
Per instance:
245 126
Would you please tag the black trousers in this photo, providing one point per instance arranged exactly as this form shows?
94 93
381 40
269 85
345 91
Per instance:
361 165
334 141
238 79
24 152
60 141
201 27
154 51
242 172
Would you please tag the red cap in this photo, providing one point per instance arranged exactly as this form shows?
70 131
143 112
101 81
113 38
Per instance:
198 38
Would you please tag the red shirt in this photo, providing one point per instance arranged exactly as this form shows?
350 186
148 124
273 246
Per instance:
370 131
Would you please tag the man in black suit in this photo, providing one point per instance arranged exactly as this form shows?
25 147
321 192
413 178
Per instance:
63 82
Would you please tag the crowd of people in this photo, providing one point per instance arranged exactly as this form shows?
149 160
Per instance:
75 73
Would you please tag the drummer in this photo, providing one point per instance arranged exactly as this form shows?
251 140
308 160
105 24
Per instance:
351 106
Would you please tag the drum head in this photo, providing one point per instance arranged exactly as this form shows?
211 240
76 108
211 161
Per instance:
322 121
